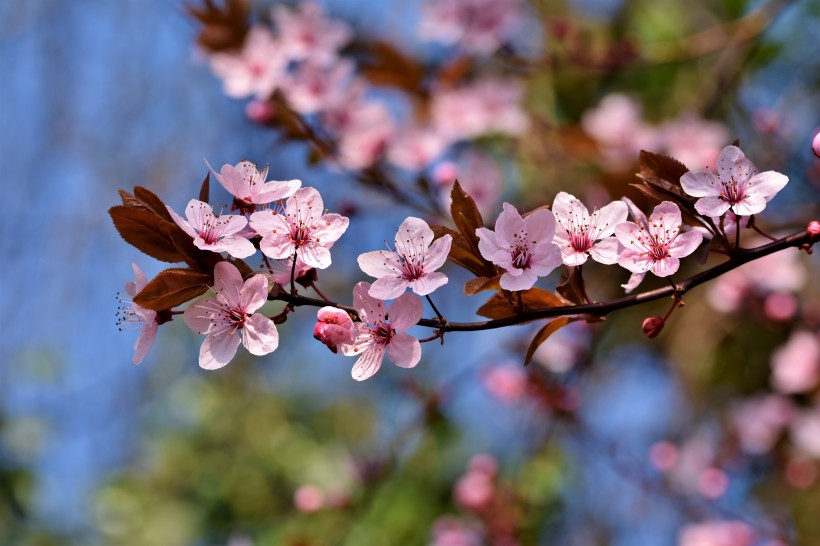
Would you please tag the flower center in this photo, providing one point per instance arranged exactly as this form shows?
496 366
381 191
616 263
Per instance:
382 333
299 234
209 232
520 251
733 192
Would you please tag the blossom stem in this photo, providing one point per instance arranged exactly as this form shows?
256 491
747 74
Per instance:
737 232
441 318
316 289
435 336
802 239
583 284
293 289
752 224
267 263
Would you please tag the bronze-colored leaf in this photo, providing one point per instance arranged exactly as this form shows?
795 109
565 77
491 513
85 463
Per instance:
497 307
479 284
129 200
146 231
535 298
570 285
153 202
225 27
454 71
386 65
465 213
205 189
662 166
544 333
173 287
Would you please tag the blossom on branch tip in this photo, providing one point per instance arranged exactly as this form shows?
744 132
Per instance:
656 245
413 264
249 185
301 228
375 335
257 69
228 318
334 327
580 234
523 247
212 232
737 186
134 314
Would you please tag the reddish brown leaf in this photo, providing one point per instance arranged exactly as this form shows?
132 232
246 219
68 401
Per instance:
497 307
386 65
544 333
147 232
173 287
465 213
479 284
153 202
205 189
662 166
535 298
224 27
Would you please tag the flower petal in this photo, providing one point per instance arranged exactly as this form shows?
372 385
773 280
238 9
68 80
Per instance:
634 280
701 184
314 255
405 312
524 281
217 351
369 363
181 222
227 283
237 246
140 280
276 246
753 204
370 309
488 244
428 283
329 228
388 287
305 204
733 165
540 226
254 294
685 244
144 341
437 254
379 263
259 335
198 315
667 217
665 267
404 350
712 206
198 212
606 218
605 251
635 262
275 190
767 184
508 225
413 232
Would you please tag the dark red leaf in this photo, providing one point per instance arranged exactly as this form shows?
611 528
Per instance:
173 287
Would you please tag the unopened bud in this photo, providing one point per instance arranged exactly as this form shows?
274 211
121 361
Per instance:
334 327
814 230
815 145
652 326
260 111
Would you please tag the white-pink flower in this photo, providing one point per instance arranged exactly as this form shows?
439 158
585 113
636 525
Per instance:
692 140
618 127
416 147
257 69
300 229
412 265
362 127
657 245
228 319
523 247
580 234
334 327
737 185
136 315
759 421
249 185
316 87
480 177
716 533
307 34
212 232
375 336
478 26
796 365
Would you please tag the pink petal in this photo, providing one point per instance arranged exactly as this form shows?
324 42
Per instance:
414 230
217 351
197 212
371 309
732 164
306 204
314 255
254 294
700 184
140 280
667 214
369 363
665 267
405 312
276 246
767 184
259 335
508 224
545 258
231 224
144 341
237 246
634 280
437 254
610 216
685 244
388 287
636 213
231 179
634 261
275 190
404 350
540 226
330 227
379 263
228 283
186 227
198 315
488 243
572 257
563 207
627 234
428 283
753 204
264 222
605 251
712 206
524 281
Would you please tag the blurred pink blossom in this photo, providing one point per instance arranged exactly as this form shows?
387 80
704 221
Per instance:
474 490
476 26
415 147
693 141
759 421
505 382
780 305
452 531
796 365
258 69
805 432
309 498
664 455
716 533
306 34
478 175
617 125
815 144
315 87
363 128
565 348
801 472
713 483
486 106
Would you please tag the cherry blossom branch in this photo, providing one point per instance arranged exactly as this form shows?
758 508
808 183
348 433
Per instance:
804 239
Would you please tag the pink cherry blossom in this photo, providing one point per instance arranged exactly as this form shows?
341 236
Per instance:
796 365
478 175
523 247
136 315
314 87
416 147
306 34
693 141
375 336
451 531
477 26
334 327
212 232
815 144
657 245
309 498
737 186
759 421
805 432
507 383
716 533
300 229
362 127
228 319
257 69
486 106
249 186
580 234
412 265
617 125
474 490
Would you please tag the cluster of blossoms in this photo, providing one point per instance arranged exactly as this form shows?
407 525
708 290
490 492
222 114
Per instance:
303 63
289 225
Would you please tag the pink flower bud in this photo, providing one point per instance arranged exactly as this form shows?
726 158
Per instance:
308 498
259 111
652 326
664 455
474 490
815 145
713 483
814 229
334 327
